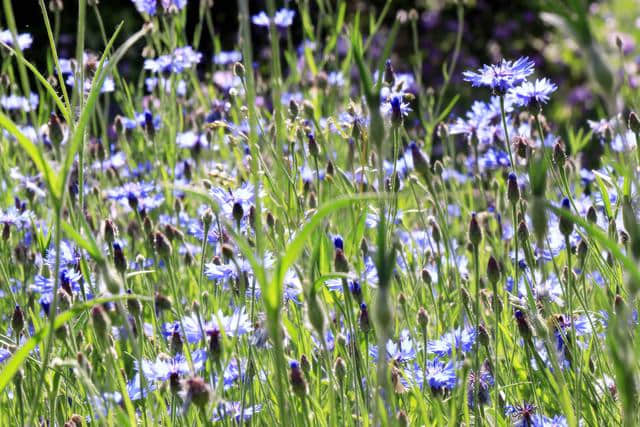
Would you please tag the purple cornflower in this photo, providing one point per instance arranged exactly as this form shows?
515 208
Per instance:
502 76
530 94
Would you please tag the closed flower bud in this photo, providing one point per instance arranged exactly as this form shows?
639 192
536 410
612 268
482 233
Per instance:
196 391
238 69
293 109
523 324
237 211
475 232
162 303
215 344
176 343
493 270
56 129
483 335
227 251
305 364
17 320
119 259
582 249
309 109
110 231
426 276
100 320
422 318
389 74
438 168
133 305
270 220
330 168
565 225
523 231
592 215
559 156
162 245
312 144
340 262
340 369
296 378
207 218
513 190
420 162
363 318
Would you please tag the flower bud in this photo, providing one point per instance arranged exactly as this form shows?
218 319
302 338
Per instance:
17 320
475 232
197 391
365 323
559 156
340 369
162 245
100 320
513 190
296 378
493 270
340 262
565 225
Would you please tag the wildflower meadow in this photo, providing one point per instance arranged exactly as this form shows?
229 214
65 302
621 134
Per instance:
319 213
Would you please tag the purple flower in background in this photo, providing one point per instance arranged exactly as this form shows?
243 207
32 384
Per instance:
235 410
537 93
502 76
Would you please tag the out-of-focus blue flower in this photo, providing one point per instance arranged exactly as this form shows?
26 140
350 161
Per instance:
282 19
4 354
24 40
502 76
20 103
227 57
236 411
181 59
533 93
460 340
191 139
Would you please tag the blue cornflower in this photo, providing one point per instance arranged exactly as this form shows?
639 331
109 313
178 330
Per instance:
484 381
235 410
235 324
439 376
394 108
24 40
502 76
460 339
530 94
162 368
402 351
522 415
181 59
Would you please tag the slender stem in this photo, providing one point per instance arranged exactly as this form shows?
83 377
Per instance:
506 132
